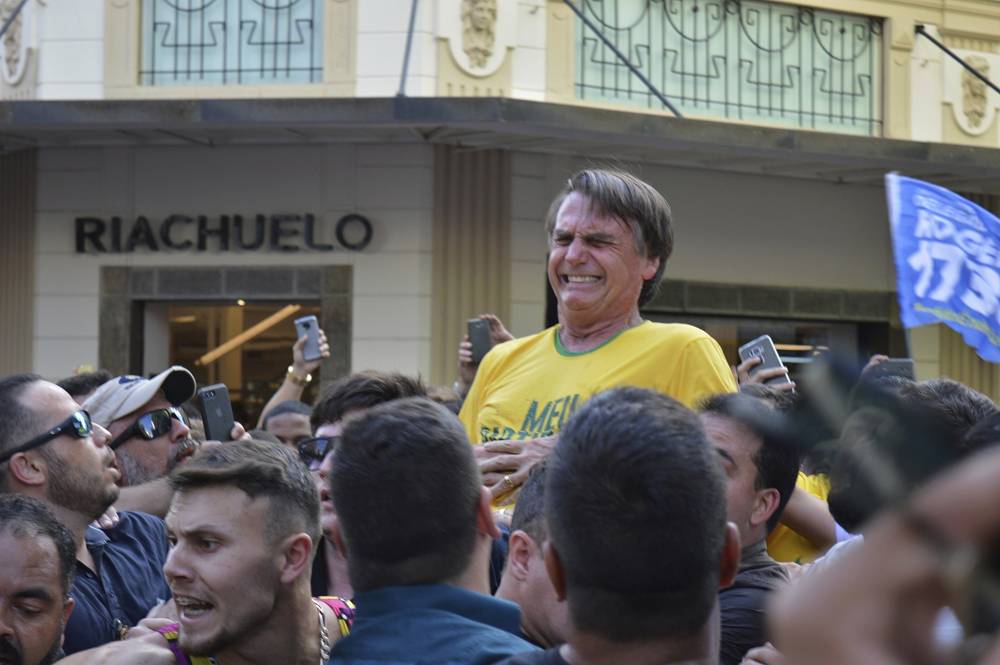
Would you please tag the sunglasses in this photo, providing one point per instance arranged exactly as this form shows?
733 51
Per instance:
150 425
312 451
78 424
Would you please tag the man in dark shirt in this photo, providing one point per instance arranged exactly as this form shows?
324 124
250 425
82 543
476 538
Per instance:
638 541
49 449
416 525
761 475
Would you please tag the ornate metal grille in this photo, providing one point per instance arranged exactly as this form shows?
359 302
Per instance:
742 59
188 42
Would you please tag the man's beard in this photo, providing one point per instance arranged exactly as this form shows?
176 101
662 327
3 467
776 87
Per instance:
134 473
74 490
10 653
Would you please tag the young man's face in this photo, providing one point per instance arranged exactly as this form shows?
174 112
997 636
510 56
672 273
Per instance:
290 428
736 446
33 603
222 567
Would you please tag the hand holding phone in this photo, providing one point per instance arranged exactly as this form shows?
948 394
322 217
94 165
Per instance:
479 337
308 327
763 348
216 412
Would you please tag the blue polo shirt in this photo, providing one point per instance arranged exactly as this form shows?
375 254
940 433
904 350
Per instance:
128 583
435 624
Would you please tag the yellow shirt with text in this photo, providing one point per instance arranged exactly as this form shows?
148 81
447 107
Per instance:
528 387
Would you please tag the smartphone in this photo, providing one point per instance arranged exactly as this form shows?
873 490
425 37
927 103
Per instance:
763 348
479 336
308 326
903 367
216 412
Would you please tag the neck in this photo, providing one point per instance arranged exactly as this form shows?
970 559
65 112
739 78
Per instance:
578 334
290 635
587 649
512 590
476 576
77 524
338 581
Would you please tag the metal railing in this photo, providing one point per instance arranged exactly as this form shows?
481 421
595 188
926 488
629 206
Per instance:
740 59
192 42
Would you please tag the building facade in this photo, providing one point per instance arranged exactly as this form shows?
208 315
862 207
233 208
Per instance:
161 156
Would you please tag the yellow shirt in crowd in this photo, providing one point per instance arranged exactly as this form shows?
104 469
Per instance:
785 545
528 387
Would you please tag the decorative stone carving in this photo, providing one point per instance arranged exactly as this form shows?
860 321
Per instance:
479 33
13 44
479 18
973 105
974 97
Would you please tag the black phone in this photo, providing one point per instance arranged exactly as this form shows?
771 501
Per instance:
308 326
479 336
216 412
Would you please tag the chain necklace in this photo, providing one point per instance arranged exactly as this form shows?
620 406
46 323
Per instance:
324 637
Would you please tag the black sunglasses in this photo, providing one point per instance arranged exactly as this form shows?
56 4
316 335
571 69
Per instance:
78 424
312 451
150 425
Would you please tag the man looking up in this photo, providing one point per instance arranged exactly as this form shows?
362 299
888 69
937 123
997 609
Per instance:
760 475
638 541
609 240
38 557
289 422
50 449
416 525
243 525
525 581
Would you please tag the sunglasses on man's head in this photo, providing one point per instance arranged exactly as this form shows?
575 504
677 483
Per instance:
150 425
78 424
312 451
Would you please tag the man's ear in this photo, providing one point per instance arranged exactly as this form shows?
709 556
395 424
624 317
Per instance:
650 268
68 609
766 505
485 522
521 550
296 556
29 469
554 567
729 561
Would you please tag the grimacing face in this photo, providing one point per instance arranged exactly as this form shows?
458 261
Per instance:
218 545
736 447
34 606
594 267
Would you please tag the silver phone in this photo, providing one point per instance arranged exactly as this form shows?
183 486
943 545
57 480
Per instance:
308 326
763 348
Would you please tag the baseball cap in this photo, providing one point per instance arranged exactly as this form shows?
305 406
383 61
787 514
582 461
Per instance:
124 394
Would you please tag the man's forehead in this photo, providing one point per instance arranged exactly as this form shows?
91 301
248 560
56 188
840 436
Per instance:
29 560
49 402
578 215
730 434
218 506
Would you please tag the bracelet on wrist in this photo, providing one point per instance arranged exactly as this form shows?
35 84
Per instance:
296 379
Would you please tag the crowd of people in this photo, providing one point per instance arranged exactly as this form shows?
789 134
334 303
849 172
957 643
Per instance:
606 491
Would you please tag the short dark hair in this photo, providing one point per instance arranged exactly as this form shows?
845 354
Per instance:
288 406
636 507
529 513
259 469
23 516
83 384
17 420
362 390
406 488
781 400
621 195
951 405
776 460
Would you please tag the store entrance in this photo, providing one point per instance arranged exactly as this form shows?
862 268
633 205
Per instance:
182 333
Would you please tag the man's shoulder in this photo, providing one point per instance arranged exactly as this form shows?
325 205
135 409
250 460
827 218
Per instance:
136 523
547 657
521 344
674 333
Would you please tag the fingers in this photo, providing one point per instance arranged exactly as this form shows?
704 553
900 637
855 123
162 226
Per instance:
324 345
238 433
109 519
299 343
504 447
743 369
500 464
498 333
507 483
465 351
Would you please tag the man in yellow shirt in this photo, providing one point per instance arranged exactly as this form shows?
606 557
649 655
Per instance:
609 241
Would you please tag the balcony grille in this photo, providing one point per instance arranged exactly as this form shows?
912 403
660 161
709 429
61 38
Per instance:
739 59
213 42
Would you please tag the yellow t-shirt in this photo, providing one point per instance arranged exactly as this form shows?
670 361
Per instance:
785 545
528 387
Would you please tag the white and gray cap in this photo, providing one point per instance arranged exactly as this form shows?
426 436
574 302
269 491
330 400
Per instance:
124 394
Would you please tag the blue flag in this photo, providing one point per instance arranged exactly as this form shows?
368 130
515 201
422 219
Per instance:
947 262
